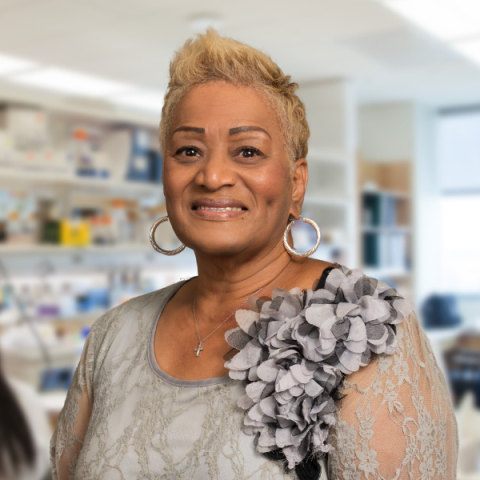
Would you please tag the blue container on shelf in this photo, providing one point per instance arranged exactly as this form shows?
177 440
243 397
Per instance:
156 165
140 168
96 298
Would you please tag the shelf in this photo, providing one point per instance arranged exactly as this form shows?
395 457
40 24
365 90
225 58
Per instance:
83 107
392 193
326 201
10 175
6 249
329 156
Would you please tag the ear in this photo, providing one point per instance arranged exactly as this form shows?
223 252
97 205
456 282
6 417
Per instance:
163 175
300 180
163 165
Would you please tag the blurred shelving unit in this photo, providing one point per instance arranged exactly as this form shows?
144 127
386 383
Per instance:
82 108
54 287
62 185
46 249
385 193
330 198
107 187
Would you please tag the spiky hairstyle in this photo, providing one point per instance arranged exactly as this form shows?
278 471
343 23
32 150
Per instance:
210 57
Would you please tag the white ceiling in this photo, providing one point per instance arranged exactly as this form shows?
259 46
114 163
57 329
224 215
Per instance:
133 40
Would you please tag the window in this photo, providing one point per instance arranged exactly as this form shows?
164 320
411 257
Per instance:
458 153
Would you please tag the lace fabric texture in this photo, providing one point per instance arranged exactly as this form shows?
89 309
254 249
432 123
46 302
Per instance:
121 421
396 421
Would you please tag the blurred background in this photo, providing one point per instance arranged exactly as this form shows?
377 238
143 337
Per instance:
392 90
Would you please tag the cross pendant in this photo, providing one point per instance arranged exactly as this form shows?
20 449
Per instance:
198 349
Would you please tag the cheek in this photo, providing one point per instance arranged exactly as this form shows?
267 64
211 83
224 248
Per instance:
272 185
174 183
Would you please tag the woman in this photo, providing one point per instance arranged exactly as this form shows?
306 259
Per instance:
152 396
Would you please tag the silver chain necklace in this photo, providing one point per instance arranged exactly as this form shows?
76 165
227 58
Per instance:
200 341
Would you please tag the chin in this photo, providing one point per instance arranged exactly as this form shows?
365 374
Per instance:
222 249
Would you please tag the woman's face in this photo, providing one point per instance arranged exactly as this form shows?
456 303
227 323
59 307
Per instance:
227 178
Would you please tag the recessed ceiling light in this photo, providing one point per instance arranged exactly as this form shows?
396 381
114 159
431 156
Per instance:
446 19
201 21
150 100
9 64
69 82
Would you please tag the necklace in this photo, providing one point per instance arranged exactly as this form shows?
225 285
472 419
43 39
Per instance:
200 341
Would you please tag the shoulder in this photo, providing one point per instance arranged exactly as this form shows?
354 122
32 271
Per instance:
306 272
363 314
136 314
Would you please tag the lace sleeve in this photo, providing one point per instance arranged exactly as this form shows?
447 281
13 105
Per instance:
73 421
396 420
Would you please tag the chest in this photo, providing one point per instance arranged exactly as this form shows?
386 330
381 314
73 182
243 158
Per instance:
188 350
147 428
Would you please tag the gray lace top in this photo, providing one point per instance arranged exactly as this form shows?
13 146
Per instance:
124 418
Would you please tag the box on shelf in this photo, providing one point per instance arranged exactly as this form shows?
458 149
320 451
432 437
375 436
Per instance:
74 233
381 209
139 165
27 127
394 176
117 145
386 250
88 157
132 156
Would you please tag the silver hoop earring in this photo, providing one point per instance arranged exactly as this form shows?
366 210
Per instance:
291 250
154 243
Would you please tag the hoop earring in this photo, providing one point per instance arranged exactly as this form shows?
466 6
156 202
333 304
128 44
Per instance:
154 243
291 250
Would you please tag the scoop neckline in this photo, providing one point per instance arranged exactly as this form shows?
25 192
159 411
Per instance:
178 382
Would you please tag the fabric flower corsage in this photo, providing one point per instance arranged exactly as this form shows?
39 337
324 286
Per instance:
295 351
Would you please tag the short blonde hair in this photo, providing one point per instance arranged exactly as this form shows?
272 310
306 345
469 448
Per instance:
211 57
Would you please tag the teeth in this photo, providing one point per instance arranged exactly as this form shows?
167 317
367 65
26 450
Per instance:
226 209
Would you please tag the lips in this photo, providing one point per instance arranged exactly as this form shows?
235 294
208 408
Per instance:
218 205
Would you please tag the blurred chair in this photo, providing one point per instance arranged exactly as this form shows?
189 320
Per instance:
468 418
440 311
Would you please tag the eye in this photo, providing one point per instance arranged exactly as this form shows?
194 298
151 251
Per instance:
188 151
249 152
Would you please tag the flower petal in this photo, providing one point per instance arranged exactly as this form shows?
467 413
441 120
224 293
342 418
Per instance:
245 319
313 389
319 314
356 347
358 330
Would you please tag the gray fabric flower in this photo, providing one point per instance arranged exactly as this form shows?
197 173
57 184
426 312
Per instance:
295 350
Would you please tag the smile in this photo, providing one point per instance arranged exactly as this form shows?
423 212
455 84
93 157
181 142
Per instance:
225 209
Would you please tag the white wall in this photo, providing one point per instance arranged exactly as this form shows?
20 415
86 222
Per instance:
426 218
386 132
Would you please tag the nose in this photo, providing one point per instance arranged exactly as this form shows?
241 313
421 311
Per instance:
216 171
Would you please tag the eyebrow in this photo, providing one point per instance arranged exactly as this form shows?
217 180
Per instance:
189 129
237 130
232 131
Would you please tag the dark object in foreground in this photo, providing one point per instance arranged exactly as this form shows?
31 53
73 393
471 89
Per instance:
308 469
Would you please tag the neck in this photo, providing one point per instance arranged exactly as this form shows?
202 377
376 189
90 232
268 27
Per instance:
237 278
